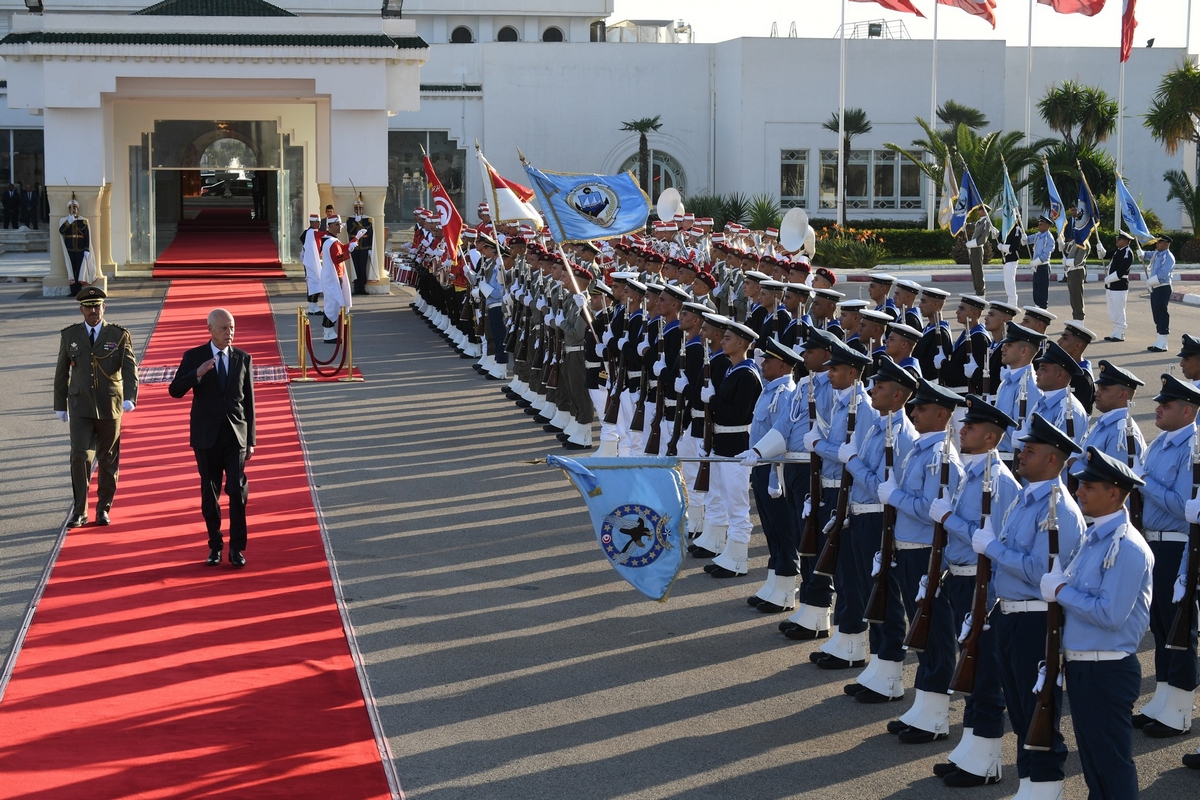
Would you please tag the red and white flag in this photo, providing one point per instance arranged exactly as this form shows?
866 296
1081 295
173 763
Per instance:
1128 24
507 201
1089 8
979 8
896 5
448 216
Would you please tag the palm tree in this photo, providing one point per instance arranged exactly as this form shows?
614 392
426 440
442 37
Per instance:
1183 191
1173 111
1083 115
953 114
857 124
642 127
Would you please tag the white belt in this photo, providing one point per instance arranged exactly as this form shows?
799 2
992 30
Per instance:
593 364
637 374
963 570
494 305
669 403
866 508
899 545
1017 606
831 483
797 456
1094 655
1165 536
573 349
731 428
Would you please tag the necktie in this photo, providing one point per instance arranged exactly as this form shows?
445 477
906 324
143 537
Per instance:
222 374
92 336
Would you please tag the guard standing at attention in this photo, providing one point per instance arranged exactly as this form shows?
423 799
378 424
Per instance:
362 254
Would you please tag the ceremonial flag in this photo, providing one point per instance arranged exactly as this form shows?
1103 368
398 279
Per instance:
448 216
896 5
1128 24
1132 214
1089 8
949 195
508 201
1086 221
1056 205
1009 207
638 508
967 201
580 208
986 9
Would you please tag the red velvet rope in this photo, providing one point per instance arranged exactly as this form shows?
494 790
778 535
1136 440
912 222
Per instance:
338 349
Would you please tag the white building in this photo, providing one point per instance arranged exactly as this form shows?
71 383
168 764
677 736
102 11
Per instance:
545 76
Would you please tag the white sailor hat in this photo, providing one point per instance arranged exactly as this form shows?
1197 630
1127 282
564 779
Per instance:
908 286
973 300
876 316
941 294
678 292
829 294
757 276
1005 308
883 278
699 309
853 305
1038 312
907 331
1078 330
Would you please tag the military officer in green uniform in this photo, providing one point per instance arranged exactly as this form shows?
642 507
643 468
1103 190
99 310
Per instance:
361 255
95 382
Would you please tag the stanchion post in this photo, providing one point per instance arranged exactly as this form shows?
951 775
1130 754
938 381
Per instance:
302 345
348 329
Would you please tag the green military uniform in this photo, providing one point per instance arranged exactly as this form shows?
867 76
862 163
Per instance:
91 381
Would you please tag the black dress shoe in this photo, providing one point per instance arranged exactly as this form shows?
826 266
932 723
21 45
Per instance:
236 558
787 625
214 557
833 662
101 517
945 768
721 572
77 521
753 600
1154 349
803 634
477 368
1140 720
700 552
551 429
523 403
492 377
918 736
569 445
963 779
871 696
1156 730
1191 760
815 655
1114 339
851 689
530 410
895 726
465 355
561 436
541 419
771 608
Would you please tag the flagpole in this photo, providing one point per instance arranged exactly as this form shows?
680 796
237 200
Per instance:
841 168
933 115
1120 141
1028 118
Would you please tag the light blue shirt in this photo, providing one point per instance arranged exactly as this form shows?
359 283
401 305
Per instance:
968 504
493 277
1008 400
1168 476
1054 405
919 478
1042 244
833 435
1107 435
794 423
1162 264
1107 595
1023 557
869 467
772 404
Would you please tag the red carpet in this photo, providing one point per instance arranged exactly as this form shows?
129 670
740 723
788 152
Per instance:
221 243
147 674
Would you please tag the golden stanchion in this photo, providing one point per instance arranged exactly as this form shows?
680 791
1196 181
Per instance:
348 327
301 345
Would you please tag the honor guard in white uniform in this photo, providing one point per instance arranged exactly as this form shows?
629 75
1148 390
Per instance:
310 254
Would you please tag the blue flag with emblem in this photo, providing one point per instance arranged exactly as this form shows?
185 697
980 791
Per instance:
1010 209
1131 213
580 208
968 200
637 506
1085 213
1056 204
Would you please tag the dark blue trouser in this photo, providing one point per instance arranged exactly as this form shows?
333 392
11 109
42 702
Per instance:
936 663
815 590
887 638
860 540
1160 305
495 316
984 709
1176 667
1102 694
1041 286
776 517
1023 638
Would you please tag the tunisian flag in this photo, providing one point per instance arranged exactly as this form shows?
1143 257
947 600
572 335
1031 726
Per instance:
509 201
979 8
1128 24
897 5
448 216
1089 8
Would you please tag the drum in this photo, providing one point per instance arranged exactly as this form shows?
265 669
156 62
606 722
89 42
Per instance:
406 275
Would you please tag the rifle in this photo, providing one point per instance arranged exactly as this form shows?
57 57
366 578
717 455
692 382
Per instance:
682 409
968 663
1135 497
654 439
522 353
705 469
1041 728
639 410
987 377
918 633
876 608
827 563
550 357
515 326
1180 634
808 542
1069 420
1022 410
616 384
557 359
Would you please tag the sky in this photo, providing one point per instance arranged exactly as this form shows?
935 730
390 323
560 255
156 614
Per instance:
1163 20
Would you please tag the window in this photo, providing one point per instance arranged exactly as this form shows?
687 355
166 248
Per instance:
665 173
875 179
552 35
508 34
597 32
793 179
407 189
462 35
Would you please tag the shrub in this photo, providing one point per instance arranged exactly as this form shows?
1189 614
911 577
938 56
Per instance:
764 213
1189 251
848 248
907 243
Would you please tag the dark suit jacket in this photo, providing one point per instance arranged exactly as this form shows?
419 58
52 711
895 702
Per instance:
210 405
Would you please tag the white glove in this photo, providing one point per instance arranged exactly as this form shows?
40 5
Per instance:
1180 590
922 588
558 319
659 366
1191 510
71 217
1110 278
877 563
707 393
579 300
1153 282
938 360
749 458
1004 248
681 383
1024 239
807 508
829 525
1034 263
966 627
353 245
1141 254
972 243
1051 581
970 368
62 416
361 233
600 350
810 440
85 254
624 340
773 487
541 304
642 347
983 537
847 451
475 294
607 337
887 490
939 508
127 406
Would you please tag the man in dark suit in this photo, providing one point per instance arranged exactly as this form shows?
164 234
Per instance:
11 203
222 429
30 205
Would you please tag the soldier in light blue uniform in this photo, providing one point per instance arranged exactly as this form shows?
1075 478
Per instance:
1189 359
1055 371
1110 431
1020 346
914 487
1042 246
976 760
1020 557
1167 471
1104 592
1160 269
891 389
